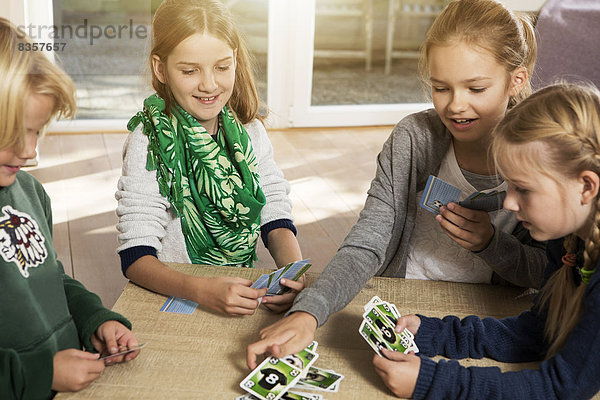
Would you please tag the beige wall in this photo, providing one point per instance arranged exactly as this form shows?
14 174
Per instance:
14 10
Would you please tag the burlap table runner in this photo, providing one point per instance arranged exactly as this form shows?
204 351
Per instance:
202 356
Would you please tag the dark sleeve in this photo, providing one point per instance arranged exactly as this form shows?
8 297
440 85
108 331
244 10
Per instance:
84 306
572 373
87 311
132 254
513 339
278 223
516 258
26 375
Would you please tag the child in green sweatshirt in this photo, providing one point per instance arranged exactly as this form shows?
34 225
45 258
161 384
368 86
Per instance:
47 317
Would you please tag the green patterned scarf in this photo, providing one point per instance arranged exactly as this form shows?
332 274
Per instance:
213 186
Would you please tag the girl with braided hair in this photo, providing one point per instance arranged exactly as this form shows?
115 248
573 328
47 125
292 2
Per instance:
548 150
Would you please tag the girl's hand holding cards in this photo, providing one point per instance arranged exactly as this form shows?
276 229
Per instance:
230 295
398 371
471 229
283 302
410 322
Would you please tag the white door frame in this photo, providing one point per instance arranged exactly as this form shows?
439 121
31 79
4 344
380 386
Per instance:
290 70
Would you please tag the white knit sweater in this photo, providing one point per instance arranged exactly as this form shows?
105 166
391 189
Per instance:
145 216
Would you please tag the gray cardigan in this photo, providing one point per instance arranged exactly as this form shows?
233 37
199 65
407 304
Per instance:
378 242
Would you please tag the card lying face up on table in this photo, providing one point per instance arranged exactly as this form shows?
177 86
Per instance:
288 378
292 271
438 193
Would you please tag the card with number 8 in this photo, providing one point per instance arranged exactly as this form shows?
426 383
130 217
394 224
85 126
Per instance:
271 379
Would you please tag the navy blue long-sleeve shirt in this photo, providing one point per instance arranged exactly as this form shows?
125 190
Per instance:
573 373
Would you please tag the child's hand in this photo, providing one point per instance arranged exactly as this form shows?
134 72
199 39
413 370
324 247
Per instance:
230 295
287 336
75 369
399 371
284 301
112 337
471 229
412 322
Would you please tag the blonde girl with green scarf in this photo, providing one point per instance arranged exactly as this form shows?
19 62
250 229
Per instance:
199 182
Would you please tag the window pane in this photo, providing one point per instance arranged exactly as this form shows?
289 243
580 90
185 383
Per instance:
104 52
106 49
342 29
252 18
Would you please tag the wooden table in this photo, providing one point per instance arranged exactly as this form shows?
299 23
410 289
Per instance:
203 355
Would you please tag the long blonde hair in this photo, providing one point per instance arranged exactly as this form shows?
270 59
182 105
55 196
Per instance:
175 20
488 25
24 72
565 119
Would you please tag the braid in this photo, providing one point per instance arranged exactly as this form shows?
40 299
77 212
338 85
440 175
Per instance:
563 299
591 253
556 297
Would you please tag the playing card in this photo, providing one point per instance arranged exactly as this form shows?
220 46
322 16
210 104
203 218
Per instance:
302 360
313 346
372 337
487 202
293 395
292 271
391 313
396 341
438 193
378 328
129 350
271 379
374 300
374 314
319 379
261 282
384 309
178 305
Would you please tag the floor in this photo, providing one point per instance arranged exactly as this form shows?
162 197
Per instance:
329 170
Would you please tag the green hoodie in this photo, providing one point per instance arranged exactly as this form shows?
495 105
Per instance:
43 309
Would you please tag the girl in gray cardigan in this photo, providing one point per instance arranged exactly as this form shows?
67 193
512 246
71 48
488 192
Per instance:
471 92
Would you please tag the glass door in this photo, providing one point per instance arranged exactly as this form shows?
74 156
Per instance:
349 62
319 62
105 45
335 73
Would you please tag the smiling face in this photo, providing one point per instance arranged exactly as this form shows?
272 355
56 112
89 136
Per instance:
38 108
200 72
549 208
470 90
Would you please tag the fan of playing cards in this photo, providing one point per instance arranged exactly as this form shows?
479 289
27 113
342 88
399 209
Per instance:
438 193
286 378
292 271
378 328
